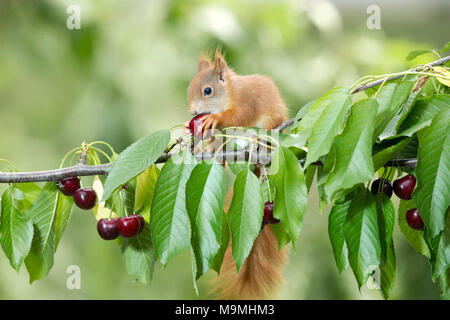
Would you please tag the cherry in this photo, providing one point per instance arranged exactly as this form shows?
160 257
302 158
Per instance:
129 226
414 220
85 198
108 229
194 125
68 186
141 222
268 214
404 187
387 187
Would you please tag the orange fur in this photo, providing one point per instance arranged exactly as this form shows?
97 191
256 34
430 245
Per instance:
260 275
241 101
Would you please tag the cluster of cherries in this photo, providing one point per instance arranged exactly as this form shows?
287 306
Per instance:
403 188
108 229
128 227
84 198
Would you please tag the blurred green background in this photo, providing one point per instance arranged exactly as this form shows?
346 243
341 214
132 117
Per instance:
125 74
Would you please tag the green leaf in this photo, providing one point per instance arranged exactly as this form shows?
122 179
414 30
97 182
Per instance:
410 150
386 221
310 172
291 195
422 113
139 255
388 272
63 211
16 231
279 231
390 98
441 252
362 236
30 193
306 125
416 53
218 259
43 212
194 270
414 237
245 215
354 149
444 283
268 190
433 173
303 110
110 208
445 48
169 219
336 221
387 154
330 122
236 168
135 159
145 188
205 192
129 195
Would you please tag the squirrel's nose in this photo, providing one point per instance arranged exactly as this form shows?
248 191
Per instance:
194 113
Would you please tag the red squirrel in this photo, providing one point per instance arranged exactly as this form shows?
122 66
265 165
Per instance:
232 100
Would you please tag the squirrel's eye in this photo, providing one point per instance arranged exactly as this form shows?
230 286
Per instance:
207 91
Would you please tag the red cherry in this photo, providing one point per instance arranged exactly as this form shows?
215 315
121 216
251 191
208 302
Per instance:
107 229
195 124
413 219
128 226
268 214
68 186
387 187
404 187
85 198
141 222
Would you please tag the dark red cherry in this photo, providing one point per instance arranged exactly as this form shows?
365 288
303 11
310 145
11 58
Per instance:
195 124
85 198
141 222
414 219
387 187
108 229
404 187
128 226
68 186
268 213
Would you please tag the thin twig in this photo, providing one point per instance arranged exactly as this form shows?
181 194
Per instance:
377 82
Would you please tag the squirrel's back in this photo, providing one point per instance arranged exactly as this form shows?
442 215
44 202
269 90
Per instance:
260 96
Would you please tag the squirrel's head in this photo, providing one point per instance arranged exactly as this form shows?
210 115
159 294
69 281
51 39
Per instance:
208 92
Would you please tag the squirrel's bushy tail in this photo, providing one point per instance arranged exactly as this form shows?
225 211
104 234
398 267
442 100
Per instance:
259 276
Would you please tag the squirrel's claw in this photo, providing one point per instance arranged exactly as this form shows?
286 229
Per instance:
209 122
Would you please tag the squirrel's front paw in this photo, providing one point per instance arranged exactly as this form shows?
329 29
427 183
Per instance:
209 121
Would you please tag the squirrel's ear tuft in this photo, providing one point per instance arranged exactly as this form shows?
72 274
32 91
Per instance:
203 63
220 66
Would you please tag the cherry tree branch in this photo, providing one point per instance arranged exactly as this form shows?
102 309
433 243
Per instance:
104 169
82 169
